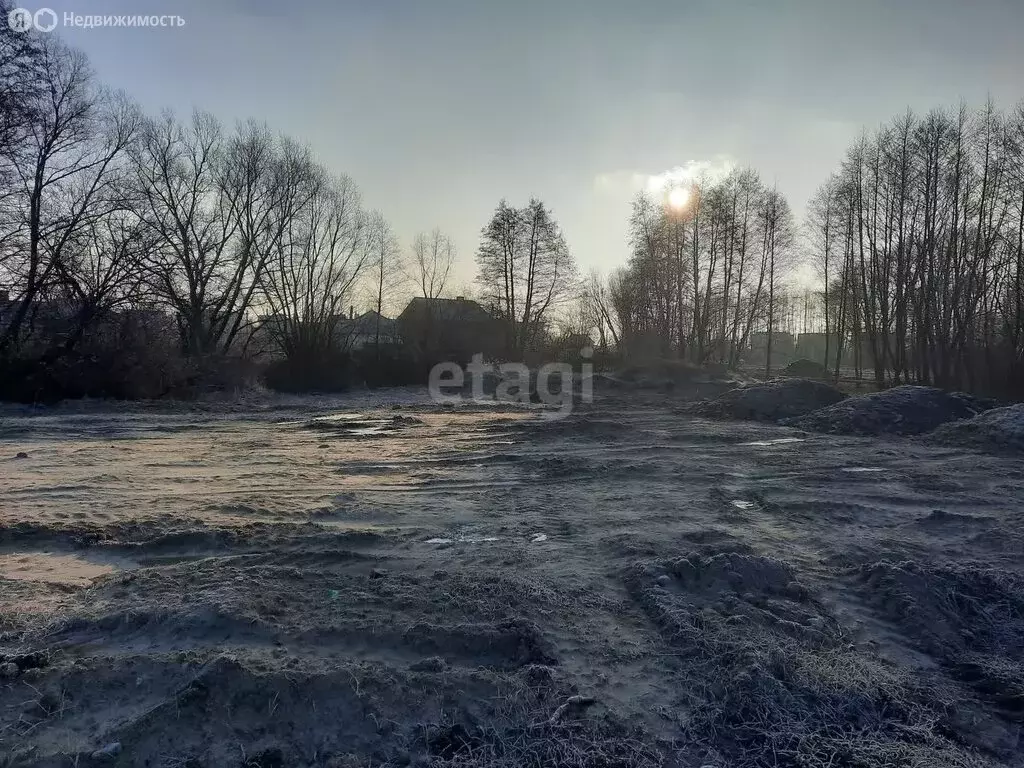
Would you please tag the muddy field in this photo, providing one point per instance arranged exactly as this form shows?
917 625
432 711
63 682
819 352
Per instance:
385 582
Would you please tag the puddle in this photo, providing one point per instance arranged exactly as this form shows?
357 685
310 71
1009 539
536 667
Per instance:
333 418
464 540
355 424
53 568
740 504
380 429
349 524
778 441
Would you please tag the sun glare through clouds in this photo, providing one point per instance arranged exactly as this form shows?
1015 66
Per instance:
679 197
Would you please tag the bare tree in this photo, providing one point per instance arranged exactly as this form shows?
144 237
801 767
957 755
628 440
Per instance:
103 271
266 183
599 308
314 271
778 231
385 261
824 230
64 179
433 256
193 268
21 81
693 283
525 269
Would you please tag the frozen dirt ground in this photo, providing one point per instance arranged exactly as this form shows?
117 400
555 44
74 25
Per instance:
385 582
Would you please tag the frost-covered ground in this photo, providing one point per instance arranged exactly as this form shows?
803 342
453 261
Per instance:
376 580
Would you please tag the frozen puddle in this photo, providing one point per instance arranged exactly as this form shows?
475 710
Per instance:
777 441
464 540
51 568
377 429
536 538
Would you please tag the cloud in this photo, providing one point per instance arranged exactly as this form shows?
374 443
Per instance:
630 182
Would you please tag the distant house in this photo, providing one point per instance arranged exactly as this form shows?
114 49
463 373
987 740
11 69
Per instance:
350 332
365 330
783 348
812 346
451 329
44 320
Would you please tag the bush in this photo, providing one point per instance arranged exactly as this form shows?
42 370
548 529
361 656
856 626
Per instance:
339 371
327 373
388 366
118 373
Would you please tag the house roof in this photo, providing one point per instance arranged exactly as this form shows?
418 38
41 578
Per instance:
367 323
447 309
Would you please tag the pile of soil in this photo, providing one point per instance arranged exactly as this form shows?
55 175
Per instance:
766 676
779 399
996 431
674 377
907 410
968 617
806 369
951 610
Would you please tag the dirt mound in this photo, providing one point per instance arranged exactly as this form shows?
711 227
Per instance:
806 369
906 410
233 710
767 678
1000 430
746 589
738 572
970 618
950 611
677 377
779 399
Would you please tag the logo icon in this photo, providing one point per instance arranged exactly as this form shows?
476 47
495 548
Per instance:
45 19
20 20
23 20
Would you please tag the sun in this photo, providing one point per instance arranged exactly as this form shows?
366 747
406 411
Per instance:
678 198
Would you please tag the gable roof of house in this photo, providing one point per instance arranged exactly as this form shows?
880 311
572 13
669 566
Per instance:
458 309
367 323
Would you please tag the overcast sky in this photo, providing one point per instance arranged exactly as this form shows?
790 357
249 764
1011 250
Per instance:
439 108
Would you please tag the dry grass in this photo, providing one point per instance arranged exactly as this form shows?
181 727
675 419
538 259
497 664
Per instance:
767 679
528 729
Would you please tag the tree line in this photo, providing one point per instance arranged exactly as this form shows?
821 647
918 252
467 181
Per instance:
107 213
918 239
704 274
124 220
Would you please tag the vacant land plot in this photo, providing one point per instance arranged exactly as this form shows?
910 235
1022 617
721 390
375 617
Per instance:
355 584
